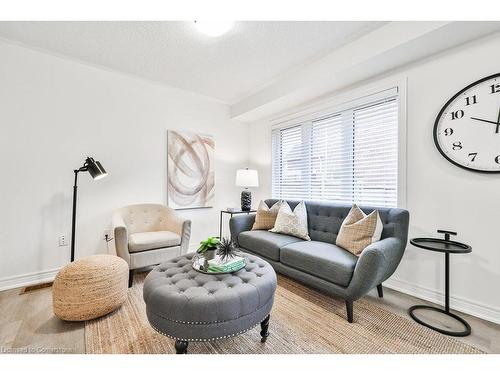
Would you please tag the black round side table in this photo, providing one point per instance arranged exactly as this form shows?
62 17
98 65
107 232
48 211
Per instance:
447 247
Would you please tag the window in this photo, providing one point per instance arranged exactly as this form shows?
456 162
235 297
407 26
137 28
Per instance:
345 155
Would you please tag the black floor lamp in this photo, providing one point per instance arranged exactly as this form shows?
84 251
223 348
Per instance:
97 172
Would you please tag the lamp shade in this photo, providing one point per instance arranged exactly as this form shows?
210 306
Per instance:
95 169
247 178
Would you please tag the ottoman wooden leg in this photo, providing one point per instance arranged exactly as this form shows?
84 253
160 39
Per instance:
181 347
264 329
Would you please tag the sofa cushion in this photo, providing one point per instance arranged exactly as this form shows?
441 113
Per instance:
265 243
320 259
152 240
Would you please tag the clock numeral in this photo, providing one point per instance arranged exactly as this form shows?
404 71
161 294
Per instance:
471 100
457 114
497 159
495 88
457 145
448 131
472 156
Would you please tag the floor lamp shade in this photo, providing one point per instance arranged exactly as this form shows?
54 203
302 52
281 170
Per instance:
246 178
96 171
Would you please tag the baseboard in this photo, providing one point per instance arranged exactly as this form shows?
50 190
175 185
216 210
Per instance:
464 305
28 279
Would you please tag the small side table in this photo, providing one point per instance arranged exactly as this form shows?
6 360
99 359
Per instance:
231 212
447 247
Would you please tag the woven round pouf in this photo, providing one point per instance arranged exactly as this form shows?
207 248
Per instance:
90 287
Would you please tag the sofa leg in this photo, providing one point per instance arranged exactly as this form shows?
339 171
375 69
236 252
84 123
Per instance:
349 308
380 291
130 278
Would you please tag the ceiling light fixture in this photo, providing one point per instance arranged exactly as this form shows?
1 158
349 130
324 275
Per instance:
213 28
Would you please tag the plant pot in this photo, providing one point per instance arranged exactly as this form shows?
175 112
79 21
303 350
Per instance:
209 254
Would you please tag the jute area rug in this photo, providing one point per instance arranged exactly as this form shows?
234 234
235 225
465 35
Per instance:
302 321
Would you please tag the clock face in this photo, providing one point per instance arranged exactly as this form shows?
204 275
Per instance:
467 130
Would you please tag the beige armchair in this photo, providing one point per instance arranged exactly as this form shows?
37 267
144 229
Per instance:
149 234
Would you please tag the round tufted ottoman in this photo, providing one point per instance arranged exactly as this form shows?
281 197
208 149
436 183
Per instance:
186 305
90 287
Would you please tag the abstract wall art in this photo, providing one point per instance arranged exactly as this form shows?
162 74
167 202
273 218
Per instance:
191 175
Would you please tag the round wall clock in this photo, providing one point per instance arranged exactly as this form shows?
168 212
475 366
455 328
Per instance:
467 129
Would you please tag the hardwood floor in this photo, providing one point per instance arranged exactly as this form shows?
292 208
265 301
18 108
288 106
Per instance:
27 324
485 335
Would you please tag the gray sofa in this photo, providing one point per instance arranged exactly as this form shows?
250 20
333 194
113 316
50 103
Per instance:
321 264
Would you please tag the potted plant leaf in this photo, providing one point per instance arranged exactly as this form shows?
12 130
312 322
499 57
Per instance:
208 247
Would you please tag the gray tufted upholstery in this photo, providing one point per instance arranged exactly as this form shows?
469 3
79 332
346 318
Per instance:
320 263
325 218
188 305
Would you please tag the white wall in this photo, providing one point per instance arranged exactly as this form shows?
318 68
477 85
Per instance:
439 195
53 113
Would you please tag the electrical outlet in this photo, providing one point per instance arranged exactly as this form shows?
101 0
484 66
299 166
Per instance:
108 235
63 240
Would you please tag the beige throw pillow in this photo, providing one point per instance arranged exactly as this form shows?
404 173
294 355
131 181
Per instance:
293 222
359 230
265 216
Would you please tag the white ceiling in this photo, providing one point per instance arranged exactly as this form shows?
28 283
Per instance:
228 68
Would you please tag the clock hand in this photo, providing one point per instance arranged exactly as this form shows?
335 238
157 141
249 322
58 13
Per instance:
498 120
488 121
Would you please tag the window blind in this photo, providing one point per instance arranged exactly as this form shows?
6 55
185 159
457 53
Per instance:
343 156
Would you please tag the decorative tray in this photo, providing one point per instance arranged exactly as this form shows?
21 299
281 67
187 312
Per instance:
200 264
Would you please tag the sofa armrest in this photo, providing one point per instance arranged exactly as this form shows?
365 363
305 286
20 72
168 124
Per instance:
240 223
175 223
376 264
186 235
121 237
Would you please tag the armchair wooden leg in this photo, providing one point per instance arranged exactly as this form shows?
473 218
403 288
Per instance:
130 278
349 308
380 291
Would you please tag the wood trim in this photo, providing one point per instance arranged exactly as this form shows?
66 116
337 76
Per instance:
28 279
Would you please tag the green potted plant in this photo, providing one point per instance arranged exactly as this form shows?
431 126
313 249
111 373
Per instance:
208 247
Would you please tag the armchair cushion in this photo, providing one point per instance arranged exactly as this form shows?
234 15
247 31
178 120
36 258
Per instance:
152 240
320 259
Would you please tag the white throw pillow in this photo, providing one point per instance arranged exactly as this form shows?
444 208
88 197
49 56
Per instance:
291 222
